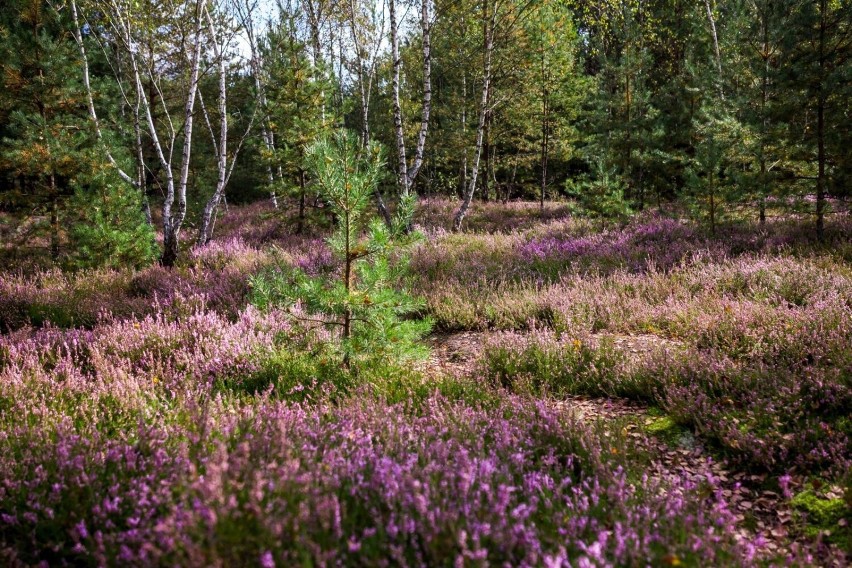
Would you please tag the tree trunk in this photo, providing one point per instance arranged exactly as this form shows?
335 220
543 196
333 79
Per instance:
821 102
54 219
315 18
78 37
302 186
173 217
402 165
426 107
764 91
260 95
712 204
463 167
488 24
347 284
365 86
487 152
544 146
208 217
717 51
406 174
141 174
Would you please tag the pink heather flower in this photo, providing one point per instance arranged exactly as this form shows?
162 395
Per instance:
784 483
266 560
82 533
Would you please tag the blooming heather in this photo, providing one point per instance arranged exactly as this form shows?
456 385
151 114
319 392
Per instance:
353 484
153 418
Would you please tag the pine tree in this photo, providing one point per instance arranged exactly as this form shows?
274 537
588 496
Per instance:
817 56
50 145
46 135
297 108
109 226
364 299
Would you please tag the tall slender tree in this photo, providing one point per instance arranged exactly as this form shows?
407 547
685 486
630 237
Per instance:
817 49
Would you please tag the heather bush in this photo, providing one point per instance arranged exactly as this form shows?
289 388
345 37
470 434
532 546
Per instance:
650 244
63 299
773 417
152 417
734 304
542 363
436 215
213 277
79 497
157 353
224 484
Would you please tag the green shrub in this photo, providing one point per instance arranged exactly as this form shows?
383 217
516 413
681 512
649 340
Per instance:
364 300
561 367
110 229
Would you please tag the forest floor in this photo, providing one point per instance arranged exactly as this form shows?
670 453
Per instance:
673 452
599 394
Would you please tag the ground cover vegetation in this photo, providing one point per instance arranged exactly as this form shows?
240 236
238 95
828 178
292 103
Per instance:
230 233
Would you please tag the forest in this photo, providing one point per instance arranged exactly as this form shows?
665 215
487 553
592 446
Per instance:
560 283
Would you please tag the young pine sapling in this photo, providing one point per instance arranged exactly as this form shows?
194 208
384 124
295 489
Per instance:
364 295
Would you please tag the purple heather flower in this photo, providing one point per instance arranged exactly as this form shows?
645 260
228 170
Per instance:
266 560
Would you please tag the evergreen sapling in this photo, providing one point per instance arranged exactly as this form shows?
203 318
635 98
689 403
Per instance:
364 297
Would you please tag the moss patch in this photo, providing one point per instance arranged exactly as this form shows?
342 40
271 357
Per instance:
822 515
665 428
662 426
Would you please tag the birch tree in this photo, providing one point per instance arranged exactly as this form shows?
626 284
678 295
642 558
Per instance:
246 11
127 28
366 22
489 22
489 15
221 36
406 173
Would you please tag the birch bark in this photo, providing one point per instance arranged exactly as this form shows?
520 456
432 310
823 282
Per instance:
488 33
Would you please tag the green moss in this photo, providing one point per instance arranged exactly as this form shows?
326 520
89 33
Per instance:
823 516
661 426
674 434
655 411
822 512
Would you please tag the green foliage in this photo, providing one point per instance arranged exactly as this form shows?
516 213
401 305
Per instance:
712 172
821 515
49 146
298 105
601 194
110 229
559 368
365 299
43 135
298 375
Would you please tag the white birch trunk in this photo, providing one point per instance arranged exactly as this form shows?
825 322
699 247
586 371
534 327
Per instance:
78 37
402 164
208 217
174 208
717 51
426 30
483 112
405 174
